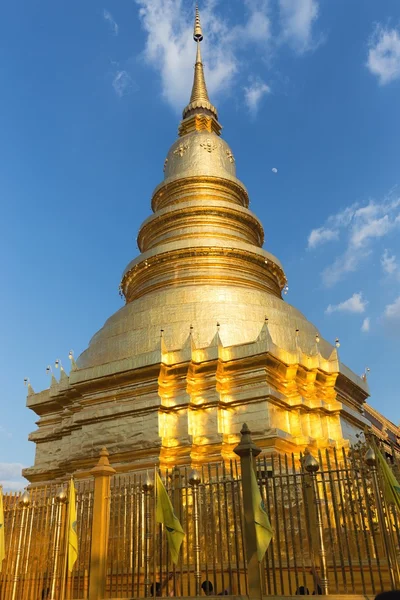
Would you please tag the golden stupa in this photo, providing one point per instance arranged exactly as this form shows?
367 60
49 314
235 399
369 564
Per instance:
205 340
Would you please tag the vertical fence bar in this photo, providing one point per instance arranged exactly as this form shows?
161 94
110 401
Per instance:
61 499
234 488
271 549
220 542
359 471
24 504
291 521
212 518
194 481
353 521
277 528
329 522
147 486
285 532
311 465
340 477
227 532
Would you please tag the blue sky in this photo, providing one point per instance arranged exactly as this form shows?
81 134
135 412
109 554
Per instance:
90 103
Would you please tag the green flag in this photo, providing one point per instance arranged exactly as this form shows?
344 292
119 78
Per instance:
261 520
392 487
165 514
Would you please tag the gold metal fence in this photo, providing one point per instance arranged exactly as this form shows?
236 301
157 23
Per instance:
327 527
209 509
35 538
334 531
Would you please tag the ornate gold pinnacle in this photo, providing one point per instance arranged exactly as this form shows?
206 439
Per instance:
199 100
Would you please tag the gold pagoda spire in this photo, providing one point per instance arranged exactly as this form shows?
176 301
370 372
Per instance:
199 101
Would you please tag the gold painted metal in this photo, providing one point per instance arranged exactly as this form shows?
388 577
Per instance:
147 487
199 99
357 558
197 32
102 473
61 499
24 504
194 481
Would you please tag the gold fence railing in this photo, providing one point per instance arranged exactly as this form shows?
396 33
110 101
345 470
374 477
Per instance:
327 527
333 531
209 509
35 536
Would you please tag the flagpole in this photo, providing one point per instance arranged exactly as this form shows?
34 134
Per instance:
66 538
146 487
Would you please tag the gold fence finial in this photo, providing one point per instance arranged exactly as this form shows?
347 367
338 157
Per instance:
103 466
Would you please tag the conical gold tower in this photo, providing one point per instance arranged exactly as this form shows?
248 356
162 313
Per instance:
205 339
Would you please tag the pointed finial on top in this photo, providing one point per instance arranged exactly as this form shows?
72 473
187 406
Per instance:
199 101
197 32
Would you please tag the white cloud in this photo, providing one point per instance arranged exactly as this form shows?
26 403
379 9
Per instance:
254 93
392 312
170 48
366 324
10 476
355 304
321 235
297 19
384 54
257 27
389 263
373 228
122 83
109 18
359 226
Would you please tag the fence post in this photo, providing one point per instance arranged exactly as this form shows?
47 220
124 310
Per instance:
102 473
311 465
247 451
194 480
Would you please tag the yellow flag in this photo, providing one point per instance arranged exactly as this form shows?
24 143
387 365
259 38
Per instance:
72 531
2 540
165 514
261 520
392 487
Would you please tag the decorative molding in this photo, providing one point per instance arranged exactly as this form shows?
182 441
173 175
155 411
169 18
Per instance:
181 149
230 156
208 145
